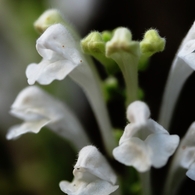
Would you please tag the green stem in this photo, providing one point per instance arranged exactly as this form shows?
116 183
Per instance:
145 179
130 74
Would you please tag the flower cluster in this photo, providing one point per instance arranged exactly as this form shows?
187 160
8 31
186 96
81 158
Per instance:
144 143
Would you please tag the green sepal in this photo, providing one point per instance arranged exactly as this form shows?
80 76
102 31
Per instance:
94 45
152 43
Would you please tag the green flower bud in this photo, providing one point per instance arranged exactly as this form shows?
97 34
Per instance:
94 45
122 43
111 88
48 18
106 35
152 43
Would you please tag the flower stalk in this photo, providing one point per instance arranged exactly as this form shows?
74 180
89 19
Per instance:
126 54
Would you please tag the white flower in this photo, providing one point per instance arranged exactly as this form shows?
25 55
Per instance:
92 175
182 67
39 109
184 159
144 142
61 57
186 152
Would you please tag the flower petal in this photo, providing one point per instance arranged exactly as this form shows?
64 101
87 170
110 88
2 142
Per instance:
191 172
67 187
33 103
155 127
38 109
133 153
32 127
138 112
188 157
92 175
129 131
55 39
91 159
60 56
161 147
97 187
187 53
45 72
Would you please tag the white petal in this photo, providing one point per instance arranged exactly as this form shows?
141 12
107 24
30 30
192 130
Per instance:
100 187
137 129
191 171
129 131
68 188
155 127
190 35
97 187
81 173
161 147
29 114
37 108
133 153
187 48
187 53
91 159
27 127
138 112
32 103
188 156
60 56
54 39
45 72
32 72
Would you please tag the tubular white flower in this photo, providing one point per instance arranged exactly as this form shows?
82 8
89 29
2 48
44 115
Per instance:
182 67
144 142
184 159
92 175
39 109
61 57
186 152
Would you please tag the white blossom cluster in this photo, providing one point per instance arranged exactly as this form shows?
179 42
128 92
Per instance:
144 143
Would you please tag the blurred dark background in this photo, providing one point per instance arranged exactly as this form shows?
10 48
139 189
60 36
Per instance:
21 160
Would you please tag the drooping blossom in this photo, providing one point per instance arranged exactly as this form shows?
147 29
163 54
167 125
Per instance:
92 175
39 109
183 163
182 67
144 142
